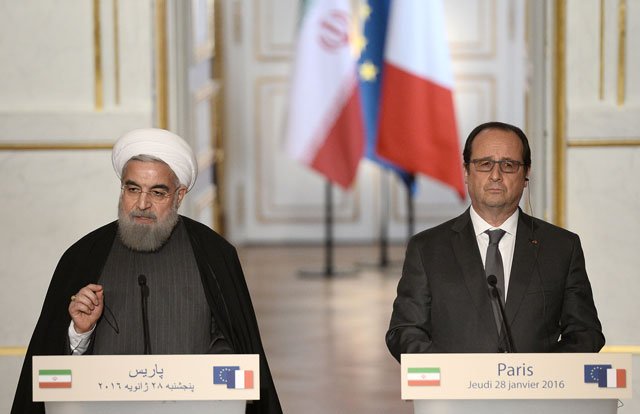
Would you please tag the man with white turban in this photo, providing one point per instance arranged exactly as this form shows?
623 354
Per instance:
196 294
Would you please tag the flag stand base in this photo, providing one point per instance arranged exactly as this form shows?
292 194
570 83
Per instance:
327 273
388 266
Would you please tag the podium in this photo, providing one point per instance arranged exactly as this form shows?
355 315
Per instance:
128 384
516 383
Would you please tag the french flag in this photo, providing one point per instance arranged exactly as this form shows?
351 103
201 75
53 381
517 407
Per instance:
417 130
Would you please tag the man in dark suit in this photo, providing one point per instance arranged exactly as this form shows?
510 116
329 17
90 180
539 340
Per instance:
444 302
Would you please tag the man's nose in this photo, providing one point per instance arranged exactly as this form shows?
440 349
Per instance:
143 201
495 174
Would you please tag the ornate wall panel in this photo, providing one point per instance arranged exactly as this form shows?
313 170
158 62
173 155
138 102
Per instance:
603 93
280 182
275 25
51 199
472 28
79 71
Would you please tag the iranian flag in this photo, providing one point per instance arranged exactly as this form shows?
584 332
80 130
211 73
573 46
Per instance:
423 376
325 128
54 378
417 128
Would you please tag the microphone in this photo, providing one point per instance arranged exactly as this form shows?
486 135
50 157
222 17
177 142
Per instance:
492 280
144 294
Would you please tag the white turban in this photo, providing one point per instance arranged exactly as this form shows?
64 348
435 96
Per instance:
160 144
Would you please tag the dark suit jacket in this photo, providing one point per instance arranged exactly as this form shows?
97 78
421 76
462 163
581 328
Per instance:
443 302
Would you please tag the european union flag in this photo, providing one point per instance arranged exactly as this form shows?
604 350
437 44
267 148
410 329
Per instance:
370 70
592 372
221 374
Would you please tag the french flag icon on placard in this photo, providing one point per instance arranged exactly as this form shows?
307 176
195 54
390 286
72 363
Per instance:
233 377
612 378
240 379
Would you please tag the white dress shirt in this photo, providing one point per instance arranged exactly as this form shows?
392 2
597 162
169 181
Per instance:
79 342
507 242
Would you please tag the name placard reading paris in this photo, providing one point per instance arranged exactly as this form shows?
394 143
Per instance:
516 376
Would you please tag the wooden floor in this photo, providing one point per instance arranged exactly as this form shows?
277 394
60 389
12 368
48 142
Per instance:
325 337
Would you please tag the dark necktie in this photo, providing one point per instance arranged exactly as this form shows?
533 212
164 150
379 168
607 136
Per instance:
493 266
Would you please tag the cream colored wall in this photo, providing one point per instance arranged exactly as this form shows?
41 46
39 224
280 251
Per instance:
59 113
600 159
601 143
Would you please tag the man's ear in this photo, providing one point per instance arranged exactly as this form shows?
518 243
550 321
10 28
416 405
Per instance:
182 191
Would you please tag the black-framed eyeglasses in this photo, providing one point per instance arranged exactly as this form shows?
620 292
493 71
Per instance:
506 166
156 195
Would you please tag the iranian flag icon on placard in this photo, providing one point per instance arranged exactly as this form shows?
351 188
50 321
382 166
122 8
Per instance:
54 378
423 376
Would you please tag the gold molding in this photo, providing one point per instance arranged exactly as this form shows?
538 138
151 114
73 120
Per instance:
97 58
61 146
559 205
601 74
204 50
587 143
116 51
622 45
162 78
13 350
623 349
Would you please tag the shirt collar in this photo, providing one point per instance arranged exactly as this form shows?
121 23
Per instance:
510 225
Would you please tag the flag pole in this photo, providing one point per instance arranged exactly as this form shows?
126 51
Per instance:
383 240
384 220
329 271
328 229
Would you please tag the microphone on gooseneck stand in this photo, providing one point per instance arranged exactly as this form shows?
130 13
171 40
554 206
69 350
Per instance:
144 294
492 280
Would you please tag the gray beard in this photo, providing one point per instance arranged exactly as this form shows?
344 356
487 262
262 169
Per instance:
145 237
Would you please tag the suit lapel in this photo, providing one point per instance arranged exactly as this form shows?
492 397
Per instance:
522 267
465 248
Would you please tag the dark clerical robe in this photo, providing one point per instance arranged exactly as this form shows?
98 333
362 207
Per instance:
223 284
